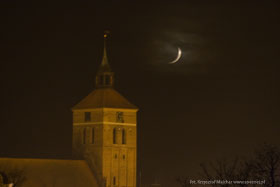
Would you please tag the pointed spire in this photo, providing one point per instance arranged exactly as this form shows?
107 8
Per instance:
105 67
104 77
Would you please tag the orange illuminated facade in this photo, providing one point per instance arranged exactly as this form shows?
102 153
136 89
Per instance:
104 131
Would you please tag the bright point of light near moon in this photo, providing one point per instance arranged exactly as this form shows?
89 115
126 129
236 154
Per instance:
178 56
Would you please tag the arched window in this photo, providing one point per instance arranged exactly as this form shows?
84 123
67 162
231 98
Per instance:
114 136
123 136
92 135
84 135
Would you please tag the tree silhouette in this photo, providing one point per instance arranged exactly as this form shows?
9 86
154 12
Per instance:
224 169
263 166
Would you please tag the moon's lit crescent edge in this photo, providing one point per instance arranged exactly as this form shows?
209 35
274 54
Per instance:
178 56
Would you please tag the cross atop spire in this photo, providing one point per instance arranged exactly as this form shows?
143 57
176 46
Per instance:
104 77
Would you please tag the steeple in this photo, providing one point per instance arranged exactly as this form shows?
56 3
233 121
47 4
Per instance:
105 131
105 76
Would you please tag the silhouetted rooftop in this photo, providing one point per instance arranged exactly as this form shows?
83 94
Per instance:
50 172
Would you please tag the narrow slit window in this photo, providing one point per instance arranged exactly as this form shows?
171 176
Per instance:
123 136
114 136
92 135
114 180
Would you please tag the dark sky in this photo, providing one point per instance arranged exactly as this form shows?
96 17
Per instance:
220 100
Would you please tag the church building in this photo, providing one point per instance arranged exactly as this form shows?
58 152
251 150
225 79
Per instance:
104 143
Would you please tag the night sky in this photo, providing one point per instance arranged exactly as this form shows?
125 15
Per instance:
221 99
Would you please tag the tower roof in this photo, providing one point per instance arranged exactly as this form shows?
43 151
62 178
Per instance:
104 98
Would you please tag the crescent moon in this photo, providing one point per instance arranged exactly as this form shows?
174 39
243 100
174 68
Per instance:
178 56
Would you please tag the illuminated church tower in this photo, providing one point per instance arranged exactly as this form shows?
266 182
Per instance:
104 131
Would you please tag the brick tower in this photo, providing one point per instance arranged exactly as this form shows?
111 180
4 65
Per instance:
104 131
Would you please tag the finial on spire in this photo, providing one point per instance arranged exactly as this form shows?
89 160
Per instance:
106 33
105 59
104 76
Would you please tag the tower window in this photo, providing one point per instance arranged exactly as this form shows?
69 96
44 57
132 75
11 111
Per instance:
84 136
92 135
114 180
87 116
101 79
114 136
123 137
123 156
119 116
116 156
107 79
